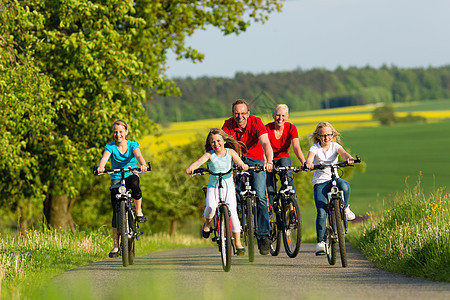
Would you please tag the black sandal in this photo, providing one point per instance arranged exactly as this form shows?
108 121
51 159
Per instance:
205 234
114 254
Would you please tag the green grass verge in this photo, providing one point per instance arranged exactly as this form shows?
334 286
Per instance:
411 235
28 262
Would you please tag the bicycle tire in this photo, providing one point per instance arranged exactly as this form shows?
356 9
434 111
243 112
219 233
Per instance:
340 232
275 236
330 242
123 231
249 229
131 241
225 238
292 229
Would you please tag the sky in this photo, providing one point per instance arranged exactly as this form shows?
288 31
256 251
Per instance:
326 34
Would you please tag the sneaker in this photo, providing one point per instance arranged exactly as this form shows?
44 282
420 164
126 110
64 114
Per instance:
320 248
349 214
240 251
264 245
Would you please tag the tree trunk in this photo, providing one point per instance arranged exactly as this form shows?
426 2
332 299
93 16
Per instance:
173 227
56 211
23 222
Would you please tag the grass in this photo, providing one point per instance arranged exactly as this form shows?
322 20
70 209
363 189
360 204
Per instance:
411 235
28 262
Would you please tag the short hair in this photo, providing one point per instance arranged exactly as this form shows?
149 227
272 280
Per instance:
240 101
280 106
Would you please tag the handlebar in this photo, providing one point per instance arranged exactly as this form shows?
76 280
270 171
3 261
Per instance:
255 168
113 171
279 169
203 171
339 164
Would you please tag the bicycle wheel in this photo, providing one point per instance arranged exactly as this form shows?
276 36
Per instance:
131 241
249 228
292 229
123 231
275 231
340 232
330 241
225 238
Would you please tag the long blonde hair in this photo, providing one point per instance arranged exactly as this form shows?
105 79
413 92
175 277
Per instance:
230 142
315 135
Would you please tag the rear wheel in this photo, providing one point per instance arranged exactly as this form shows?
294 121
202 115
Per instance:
340 232
292 229
123 231
225 238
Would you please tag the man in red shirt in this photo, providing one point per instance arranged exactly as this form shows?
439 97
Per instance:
257 151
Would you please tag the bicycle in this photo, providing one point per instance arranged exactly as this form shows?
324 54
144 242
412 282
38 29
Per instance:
127 224
248 213
220 225
336 218
286 218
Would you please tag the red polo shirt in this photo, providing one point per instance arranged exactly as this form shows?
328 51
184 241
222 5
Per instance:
249 136
281 146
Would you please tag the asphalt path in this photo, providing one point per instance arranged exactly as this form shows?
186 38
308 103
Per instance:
196 273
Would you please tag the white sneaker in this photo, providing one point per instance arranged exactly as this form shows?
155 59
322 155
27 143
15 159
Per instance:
320 248
349 214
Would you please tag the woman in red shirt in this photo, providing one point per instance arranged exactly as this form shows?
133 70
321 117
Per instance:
281 135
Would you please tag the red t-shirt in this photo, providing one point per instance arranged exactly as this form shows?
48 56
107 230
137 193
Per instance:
281 146
249 137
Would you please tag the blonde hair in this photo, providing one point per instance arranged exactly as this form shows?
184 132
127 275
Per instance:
315 135
230 142
278 107
122 123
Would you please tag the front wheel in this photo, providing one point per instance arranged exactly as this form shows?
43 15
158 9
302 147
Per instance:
340 232
275 236
123 232
330 241
225 238
292 229
249 228
131 241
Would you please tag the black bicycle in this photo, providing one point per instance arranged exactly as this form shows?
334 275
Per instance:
286 217
247 213
336 218
221 221
127 224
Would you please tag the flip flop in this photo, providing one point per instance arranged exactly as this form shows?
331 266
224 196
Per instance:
114 254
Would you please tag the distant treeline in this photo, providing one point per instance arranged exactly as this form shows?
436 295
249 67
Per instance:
211 97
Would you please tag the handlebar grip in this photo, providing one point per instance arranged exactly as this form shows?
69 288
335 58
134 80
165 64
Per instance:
149 168
94 170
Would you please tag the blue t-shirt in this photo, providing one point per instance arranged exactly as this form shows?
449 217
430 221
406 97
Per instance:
119 160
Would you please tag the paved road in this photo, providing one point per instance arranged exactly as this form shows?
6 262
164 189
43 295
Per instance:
196 273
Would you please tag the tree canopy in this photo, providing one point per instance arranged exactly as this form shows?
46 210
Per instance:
79 65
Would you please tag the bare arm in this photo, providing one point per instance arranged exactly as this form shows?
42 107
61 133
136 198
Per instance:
346 156
298 150
310 160
103 161
268 152
238 160
140 159
204 158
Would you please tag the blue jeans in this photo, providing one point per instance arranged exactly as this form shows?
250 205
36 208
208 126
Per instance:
270 180
258 182
320 198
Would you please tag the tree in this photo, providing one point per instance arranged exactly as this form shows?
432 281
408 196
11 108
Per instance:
385 114
102 60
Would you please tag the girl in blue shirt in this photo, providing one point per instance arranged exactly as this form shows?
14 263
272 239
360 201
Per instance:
124 153
221 151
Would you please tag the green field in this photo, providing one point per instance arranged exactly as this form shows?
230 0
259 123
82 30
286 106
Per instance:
393 154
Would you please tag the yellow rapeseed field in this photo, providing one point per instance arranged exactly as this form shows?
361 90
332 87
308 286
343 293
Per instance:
343 118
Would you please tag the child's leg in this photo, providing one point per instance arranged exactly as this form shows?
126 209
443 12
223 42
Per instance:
235 224
115 240
210 209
